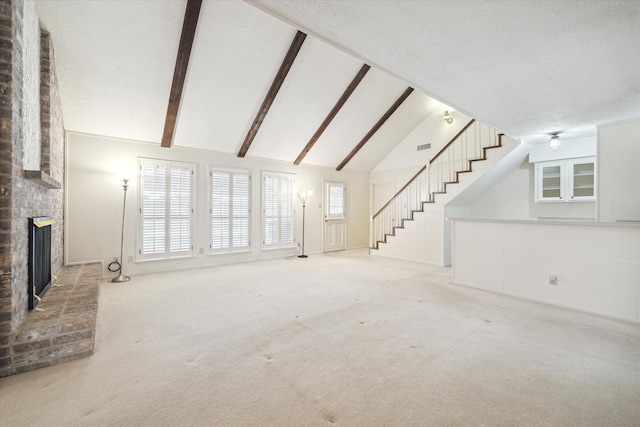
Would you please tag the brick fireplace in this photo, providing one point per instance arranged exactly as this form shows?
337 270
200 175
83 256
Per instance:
31 176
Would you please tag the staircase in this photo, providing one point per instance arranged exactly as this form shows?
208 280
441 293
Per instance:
457 157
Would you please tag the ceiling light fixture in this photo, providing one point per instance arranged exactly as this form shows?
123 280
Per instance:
447 117
554 141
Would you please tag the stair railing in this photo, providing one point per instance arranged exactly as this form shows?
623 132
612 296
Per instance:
400 206
468 145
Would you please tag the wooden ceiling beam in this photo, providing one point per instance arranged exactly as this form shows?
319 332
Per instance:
189 25
375 128
343 99
296 44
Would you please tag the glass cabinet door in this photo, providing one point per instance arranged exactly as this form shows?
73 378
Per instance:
551 185
567 180
582 182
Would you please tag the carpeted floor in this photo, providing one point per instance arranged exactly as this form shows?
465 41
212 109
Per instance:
344 339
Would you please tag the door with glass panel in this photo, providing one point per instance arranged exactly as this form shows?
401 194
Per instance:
335 224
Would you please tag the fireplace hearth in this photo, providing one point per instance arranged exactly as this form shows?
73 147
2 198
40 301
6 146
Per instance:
63 331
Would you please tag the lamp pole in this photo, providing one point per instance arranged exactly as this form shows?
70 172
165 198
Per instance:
303 198
303 210
121 277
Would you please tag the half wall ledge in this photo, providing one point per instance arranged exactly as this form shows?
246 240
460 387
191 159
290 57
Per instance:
43 179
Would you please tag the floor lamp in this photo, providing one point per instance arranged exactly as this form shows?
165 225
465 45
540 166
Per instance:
121 277
303 198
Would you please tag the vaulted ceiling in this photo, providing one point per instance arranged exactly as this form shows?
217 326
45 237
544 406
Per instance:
116 59
526 68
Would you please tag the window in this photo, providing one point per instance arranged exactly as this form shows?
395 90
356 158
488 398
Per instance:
230 210
166 209
335 200
277 210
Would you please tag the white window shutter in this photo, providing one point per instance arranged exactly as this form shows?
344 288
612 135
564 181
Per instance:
270 210
230 210
220 193
166 212
241 211
278 211
286 211
154 209
180 213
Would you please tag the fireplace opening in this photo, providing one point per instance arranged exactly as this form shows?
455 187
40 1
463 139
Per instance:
39 258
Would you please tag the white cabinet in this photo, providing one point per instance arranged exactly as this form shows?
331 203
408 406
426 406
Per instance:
569 180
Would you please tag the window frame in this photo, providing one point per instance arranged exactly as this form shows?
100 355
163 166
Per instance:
168 217
281 178
231 173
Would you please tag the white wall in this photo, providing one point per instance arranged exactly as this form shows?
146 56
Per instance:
513 197
597 265
395 170
432 130
94 196
385 184
618 171
421 240
509 198
569 149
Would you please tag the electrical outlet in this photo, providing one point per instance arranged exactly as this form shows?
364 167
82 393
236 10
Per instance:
130 259
553 280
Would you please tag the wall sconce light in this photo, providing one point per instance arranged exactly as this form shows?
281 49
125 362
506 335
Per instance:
554 141
447 117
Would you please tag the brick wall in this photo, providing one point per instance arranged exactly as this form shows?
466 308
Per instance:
22 198
7 70
45 101
55 160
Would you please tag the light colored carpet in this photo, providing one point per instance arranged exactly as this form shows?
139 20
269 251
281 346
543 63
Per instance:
344 339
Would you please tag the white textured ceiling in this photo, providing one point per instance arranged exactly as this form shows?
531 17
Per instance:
115 63
527 68
112 63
